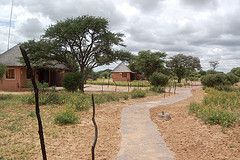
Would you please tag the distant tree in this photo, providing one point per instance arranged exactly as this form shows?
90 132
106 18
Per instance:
219 79
202 72
236 71
214 64
81 43
159 79
147 62
3 70
183 65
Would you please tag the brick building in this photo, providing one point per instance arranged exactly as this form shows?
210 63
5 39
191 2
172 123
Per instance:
17 76
123 73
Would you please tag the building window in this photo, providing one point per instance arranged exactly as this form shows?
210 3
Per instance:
10 74
124 74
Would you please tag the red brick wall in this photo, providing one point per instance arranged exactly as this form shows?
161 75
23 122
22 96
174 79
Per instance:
121 76
12 84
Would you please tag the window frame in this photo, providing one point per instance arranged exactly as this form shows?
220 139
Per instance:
124 74
14 71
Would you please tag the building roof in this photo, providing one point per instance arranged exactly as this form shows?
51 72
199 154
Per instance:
121 68
11 58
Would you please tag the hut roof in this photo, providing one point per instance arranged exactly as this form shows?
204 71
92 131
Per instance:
121 68
11 58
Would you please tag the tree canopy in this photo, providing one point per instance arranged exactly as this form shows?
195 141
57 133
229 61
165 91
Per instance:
81 43
236 71
183 65
3 70
147 62
214 64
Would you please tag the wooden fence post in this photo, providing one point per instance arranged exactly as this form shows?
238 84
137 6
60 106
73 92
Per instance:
40 128
96 129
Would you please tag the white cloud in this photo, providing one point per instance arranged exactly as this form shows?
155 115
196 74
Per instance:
208 29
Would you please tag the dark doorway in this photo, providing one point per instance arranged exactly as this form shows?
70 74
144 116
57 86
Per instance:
43 75
133 76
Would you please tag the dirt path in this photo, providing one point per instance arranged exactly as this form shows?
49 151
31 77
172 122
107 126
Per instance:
189 138
140 138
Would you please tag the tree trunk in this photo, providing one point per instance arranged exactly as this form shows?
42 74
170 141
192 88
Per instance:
179 79
81 87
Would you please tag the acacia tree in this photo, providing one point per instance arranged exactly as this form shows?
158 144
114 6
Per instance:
183 65
148 62
214 64
81 43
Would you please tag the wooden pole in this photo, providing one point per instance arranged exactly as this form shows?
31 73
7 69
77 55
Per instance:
96 129
40 128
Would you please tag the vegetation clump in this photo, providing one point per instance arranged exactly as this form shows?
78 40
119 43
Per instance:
218 107
66 117
3 70
72 81
159 79
138 93
219 79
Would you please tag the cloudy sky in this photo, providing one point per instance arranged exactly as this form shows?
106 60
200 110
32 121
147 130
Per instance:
208 29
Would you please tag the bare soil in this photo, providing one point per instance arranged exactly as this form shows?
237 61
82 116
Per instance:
185 135
189 138
19 137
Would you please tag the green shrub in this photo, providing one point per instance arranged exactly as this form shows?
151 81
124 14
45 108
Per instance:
66 117
138 93
179 85
232 78
158 79
32 114
125 97
5 96
218 107
157 89
236 71
72 81
219 79
48 98
79 102
3 70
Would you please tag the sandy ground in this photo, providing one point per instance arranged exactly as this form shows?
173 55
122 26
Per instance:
185 135
70 142
77 145
191 139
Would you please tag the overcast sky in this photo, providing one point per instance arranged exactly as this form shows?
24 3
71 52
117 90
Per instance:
208 29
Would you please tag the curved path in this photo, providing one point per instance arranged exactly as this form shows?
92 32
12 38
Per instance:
140 137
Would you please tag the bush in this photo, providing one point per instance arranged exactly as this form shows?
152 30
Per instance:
219 79
66 117
236 71
218 107
79 102
157 89
125 97
158 79
138 93
179 84
232 78
44 97
72 81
